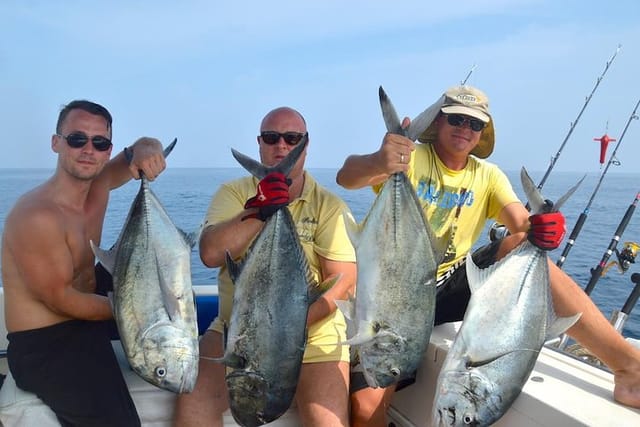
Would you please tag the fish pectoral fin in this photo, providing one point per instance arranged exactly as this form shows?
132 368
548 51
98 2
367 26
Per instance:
111 301
106 258
169 300
317 289
354 230
234 361
367 331
347 307
476 363
560 325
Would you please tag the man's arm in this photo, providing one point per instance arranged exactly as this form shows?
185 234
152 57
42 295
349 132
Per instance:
43 260
231 236
147 157
370 169
341 290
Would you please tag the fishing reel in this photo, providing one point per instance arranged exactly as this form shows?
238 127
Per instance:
626 257
497 231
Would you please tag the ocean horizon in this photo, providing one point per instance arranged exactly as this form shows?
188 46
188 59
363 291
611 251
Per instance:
186 193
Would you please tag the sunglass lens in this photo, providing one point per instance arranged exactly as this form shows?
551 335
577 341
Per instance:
455 120
101 143
76 140
292 138
458 120
270 138
476 125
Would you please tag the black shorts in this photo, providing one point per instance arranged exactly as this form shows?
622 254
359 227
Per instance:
452 299
72 368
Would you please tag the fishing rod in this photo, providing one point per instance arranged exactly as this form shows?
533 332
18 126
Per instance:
620 317
618 320
624 258
554 159
462 83
583 216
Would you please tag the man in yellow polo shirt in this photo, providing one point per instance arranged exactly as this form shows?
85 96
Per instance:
236 215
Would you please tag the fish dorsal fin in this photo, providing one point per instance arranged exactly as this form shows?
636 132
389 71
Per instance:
190 238
259 170
234 268
477 276
106 257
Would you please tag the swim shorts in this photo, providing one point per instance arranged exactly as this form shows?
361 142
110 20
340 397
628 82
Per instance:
71 367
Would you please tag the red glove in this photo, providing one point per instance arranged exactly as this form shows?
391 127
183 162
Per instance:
272 194
546 230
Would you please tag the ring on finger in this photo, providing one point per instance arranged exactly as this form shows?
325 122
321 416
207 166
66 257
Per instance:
401 158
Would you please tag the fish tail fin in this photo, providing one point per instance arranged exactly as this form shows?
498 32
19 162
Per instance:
259 170
536 200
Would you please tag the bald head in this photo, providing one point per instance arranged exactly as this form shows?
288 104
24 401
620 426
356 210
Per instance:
277 116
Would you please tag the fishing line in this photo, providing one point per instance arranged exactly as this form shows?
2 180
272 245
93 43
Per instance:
554 159
583 216
498 230
463 82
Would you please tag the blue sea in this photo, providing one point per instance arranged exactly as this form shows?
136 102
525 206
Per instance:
186 194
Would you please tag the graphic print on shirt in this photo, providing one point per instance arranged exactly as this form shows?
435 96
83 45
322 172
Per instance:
446 203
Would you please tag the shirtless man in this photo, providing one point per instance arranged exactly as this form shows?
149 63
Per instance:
59 348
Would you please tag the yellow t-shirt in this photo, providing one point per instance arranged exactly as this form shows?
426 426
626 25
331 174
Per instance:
457 204
318 216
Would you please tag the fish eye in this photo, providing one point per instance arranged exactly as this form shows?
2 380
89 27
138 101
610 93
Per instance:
467 419
161 372
395 372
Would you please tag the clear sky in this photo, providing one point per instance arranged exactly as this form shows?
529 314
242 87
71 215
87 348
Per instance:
207 71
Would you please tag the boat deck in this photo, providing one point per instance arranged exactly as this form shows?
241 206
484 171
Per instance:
562 391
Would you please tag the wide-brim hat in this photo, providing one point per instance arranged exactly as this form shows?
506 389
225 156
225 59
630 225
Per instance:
471 102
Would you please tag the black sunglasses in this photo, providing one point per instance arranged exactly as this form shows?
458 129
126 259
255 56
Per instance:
270 137
458 120
80 139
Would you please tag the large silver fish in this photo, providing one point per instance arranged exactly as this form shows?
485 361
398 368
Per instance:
152 299
393 311
273 288
509 317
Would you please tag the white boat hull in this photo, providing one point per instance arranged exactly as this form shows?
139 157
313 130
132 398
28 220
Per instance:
562 391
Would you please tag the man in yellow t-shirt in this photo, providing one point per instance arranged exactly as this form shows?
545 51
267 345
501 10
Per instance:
460 191
236 215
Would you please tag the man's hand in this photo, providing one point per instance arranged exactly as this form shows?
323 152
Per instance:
546 230
272 194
